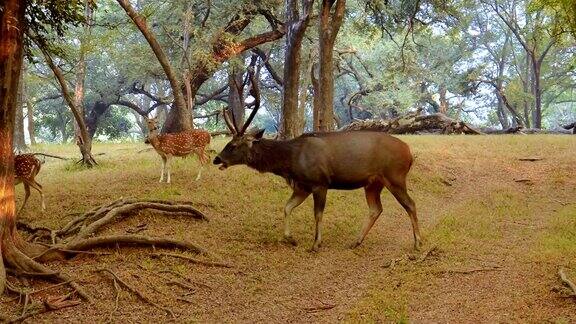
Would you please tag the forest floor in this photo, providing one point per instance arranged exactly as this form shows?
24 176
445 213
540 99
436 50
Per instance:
501 228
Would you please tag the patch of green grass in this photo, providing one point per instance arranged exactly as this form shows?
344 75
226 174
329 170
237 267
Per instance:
559 238
380 305
480 220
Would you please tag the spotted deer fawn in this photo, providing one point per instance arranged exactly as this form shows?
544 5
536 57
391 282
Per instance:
26 168
179 144
314 163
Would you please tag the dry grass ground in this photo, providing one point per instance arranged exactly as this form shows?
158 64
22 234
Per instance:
499 242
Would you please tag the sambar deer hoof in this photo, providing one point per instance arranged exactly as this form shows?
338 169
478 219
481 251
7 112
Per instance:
289 240
314 249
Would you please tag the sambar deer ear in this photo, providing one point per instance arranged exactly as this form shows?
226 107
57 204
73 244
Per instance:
258 133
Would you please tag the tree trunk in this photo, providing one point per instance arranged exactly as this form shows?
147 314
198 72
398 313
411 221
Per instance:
31 125
526 84
328 29
84 141
19 142
537 93
12 28
296 28
236 95
443 100
98 109
179 118
81 67
316 97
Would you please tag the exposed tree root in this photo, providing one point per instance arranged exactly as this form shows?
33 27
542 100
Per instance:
133 239
493 268
137 292
567 281
194 260
23 258
50 304
176 274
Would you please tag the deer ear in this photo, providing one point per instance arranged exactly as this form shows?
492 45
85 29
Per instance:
258 133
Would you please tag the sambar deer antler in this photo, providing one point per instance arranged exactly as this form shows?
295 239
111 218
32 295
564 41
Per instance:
254 92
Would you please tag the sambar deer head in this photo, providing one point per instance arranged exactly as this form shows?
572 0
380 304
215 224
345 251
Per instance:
239 149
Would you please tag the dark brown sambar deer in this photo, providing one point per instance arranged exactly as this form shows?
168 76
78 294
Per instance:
314 163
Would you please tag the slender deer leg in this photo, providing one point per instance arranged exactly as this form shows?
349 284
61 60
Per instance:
319 204
27 190
375 205
400 193
297 198
162 170
199 175
38 187
201 157
168 159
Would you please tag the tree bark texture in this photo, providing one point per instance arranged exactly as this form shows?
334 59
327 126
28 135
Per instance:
236 95
30 118
329 26
19 141
12 26
296 28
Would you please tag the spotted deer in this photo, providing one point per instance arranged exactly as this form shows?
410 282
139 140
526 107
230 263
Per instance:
314 163
179 144
26 168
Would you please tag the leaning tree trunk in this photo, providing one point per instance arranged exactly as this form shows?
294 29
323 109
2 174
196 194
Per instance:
296 27
84 141
179 118
328 29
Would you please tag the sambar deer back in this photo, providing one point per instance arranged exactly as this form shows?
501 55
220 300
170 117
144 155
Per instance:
314 163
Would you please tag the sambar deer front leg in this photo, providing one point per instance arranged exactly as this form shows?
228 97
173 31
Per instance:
319 204
297 198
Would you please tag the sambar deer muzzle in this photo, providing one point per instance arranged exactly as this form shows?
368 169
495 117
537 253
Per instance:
218 160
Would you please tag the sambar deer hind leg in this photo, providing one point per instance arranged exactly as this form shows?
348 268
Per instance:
375 205
297 198
401 194
319 204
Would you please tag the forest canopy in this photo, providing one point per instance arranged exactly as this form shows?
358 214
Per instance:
491 63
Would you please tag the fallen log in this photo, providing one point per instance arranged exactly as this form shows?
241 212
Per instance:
524 131
415 123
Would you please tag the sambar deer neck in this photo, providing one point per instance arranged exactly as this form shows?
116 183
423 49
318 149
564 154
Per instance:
272 156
